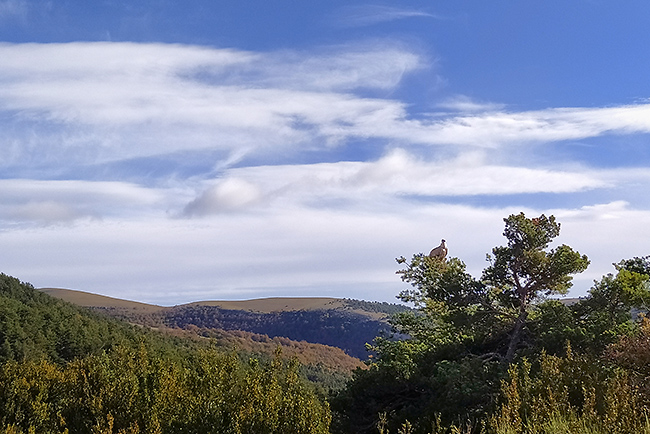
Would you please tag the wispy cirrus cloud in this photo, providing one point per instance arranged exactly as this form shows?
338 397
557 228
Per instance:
396 176
555 124
35 202
124 100
92 103
368 15
343 68
463 103
276 194
109 101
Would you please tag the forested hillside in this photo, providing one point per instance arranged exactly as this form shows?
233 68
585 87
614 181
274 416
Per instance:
348 330
342 323
35 326
65 369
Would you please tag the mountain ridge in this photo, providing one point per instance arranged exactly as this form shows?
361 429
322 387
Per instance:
343 323
263 305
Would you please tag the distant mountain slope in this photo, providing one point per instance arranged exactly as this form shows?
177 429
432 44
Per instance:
156 317
341 328
343 323
36 326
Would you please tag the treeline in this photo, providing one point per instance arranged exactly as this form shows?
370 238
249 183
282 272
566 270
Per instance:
375 306
344 328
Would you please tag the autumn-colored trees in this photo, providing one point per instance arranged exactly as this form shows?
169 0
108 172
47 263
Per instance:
129 391
63 369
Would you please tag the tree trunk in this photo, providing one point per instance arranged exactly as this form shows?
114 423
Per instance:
515 338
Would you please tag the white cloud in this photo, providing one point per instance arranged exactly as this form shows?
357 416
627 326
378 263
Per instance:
464 103
605 211
296 251
291 251
31 201
341 68
398 174
283 228
231 194
124 100
501 128
607 233
368 15
97 102
47 212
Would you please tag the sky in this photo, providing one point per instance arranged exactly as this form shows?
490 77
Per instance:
173 151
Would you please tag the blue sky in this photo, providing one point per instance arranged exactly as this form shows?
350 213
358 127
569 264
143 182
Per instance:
168 151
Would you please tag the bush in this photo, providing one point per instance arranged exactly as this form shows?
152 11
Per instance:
571 394
128 391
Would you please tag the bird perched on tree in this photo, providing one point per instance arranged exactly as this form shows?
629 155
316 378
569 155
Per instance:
439 252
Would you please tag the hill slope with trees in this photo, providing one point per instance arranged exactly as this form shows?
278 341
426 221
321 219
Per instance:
342 323
35 326
64 369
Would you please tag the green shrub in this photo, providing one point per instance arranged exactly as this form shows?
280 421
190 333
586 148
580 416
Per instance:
129 391
572 394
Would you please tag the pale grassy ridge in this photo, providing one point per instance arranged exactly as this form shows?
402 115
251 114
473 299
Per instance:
277 304
87 299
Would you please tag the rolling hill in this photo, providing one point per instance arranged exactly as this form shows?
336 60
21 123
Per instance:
342 323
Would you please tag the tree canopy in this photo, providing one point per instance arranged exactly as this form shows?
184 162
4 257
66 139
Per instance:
487 316
453 352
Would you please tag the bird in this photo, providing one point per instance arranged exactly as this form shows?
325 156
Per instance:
439 252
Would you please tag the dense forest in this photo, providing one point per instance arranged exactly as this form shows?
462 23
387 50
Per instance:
35 326
494 354
344 329
349 327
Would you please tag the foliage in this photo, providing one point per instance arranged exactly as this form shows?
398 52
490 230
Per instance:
572 394
328 366
523 270
347 330
488 315
34 326
449 389
129 391
468 332
598 320
64 369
